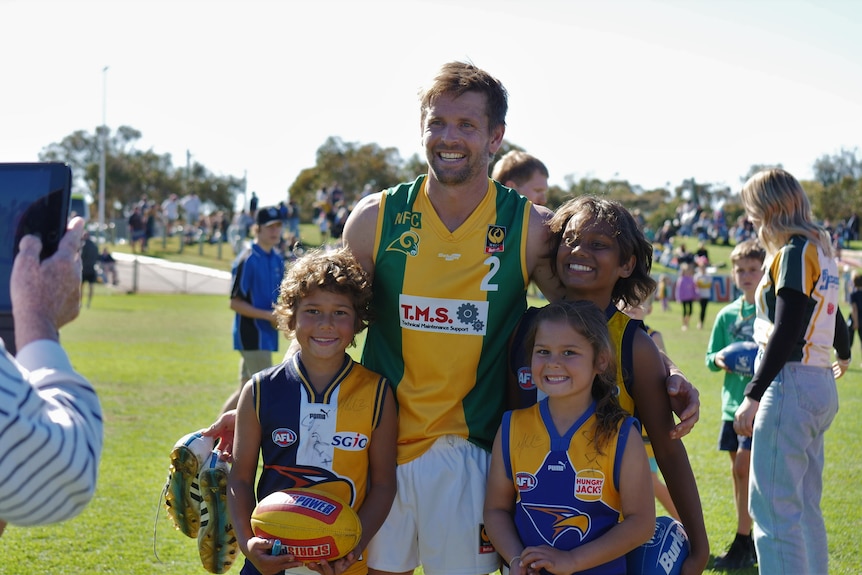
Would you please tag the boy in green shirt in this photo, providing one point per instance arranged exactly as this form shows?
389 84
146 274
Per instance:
735 322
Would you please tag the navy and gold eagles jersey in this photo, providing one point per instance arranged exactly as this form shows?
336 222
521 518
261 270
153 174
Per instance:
567 492
320 440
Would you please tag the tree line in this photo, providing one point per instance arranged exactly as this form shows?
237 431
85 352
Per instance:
835 192
131 172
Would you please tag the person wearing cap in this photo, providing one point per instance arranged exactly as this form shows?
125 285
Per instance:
256 275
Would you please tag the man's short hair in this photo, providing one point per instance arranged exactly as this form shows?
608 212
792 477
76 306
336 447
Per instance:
458 78
518 167
748 249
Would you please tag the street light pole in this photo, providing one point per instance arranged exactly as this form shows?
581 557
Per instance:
103 145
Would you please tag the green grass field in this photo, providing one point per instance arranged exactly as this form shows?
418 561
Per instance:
163 365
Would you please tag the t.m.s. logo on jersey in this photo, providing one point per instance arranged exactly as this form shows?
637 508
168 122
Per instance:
495 239
407 244
443 315
283 437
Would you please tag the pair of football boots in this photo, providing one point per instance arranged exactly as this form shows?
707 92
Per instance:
196 500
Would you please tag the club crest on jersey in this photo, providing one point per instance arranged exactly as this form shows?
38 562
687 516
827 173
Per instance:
555 521
407 244
318 477
495 239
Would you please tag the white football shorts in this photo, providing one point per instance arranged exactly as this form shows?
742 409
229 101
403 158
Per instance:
436 518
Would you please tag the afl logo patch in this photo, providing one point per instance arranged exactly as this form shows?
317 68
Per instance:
526 481
495 239
283 437
525 379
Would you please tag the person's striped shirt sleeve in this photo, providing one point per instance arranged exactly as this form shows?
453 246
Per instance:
50 436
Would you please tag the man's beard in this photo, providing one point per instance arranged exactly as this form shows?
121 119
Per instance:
453 176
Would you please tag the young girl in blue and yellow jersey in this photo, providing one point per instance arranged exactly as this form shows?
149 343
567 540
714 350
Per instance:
602 256
569 488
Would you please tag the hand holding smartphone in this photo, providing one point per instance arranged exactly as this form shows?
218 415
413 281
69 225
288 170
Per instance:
34 199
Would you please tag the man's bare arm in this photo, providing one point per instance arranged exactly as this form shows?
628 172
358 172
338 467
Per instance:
539 262
360 229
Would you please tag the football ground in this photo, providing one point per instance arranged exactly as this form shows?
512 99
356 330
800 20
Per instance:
163 365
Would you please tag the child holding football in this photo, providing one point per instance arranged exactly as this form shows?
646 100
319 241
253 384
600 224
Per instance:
316 394
735 322
792 398
602 256
585 458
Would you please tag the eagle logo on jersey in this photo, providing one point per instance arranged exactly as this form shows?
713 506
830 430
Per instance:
554 521
307 476
407 244
494 239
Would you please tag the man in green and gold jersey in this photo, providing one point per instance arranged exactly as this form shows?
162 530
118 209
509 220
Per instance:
451 255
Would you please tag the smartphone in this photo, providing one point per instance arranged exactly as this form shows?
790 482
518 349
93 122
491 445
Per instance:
34 199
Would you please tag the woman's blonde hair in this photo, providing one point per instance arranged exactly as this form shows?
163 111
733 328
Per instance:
777 201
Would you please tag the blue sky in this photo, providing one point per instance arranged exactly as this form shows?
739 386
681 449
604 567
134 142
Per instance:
649 91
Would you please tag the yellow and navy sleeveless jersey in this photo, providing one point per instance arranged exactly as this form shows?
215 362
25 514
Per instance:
320 440
567 492
621 329
801 266
447 302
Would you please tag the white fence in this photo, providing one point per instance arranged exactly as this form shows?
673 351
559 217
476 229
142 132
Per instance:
138 273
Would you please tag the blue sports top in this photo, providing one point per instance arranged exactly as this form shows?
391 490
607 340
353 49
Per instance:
256 276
